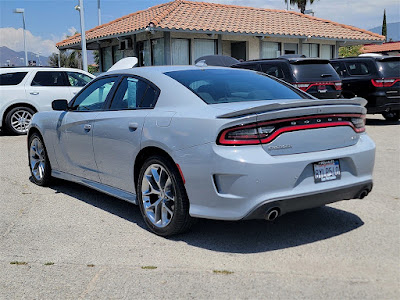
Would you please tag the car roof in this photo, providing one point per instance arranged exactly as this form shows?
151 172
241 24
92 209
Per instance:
163 69
377 58
34 68
291 60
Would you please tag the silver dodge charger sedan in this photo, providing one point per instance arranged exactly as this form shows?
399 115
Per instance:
186 142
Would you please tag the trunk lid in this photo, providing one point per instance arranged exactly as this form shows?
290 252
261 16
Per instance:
304 125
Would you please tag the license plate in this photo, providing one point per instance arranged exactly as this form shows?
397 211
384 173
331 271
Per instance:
327 170
322 89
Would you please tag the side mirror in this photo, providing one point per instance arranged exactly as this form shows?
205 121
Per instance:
60 104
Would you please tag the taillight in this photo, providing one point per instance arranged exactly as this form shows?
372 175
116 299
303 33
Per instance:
303 86
384 82
266 132
338 86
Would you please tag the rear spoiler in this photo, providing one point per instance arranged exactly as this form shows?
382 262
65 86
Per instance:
361 102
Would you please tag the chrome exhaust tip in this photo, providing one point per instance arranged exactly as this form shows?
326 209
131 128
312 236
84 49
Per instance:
272 214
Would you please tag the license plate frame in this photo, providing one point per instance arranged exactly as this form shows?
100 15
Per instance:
327 170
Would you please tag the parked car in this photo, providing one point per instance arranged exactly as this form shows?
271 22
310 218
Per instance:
27 90
207 142
375 78
311 75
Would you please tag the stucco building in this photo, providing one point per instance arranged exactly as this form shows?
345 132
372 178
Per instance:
180 31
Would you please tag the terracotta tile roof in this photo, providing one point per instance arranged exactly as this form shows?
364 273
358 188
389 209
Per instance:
205 16
391 46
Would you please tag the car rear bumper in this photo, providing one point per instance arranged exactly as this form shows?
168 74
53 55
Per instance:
357 191
379 102
232 183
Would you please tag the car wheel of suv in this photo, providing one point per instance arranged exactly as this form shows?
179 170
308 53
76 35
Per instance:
38 160
18 120
391 115
162 197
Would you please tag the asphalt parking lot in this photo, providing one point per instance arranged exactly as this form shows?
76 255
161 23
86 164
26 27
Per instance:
70 242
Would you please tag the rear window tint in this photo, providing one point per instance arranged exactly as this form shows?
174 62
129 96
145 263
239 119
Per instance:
357 68
12 78
51 78
231 85
314 72
389 68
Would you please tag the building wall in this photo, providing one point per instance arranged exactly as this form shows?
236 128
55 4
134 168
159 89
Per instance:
160 51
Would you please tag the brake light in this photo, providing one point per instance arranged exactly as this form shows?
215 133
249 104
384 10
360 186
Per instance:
384 82
305 86
338 86
266 132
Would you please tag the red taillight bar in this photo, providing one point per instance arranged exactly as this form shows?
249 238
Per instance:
222 138
305 86
384 82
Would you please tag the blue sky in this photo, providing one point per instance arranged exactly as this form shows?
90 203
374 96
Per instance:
50 21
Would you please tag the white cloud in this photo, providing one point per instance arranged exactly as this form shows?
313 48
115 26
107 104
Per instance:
13 39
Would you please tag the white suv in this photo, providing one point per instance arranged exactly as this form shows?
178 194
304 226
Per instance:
25 91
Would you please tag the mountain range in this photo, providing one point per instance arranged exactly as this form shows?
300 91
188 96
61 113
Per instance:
393 31
11 57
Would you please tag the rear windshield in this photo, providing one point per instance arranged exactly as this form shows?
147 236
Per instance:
12 78
231 85
314 72
389 68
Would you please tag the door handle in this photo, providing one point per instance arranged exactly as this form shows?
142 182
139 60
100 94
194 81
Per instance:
133 126
87 127
34 93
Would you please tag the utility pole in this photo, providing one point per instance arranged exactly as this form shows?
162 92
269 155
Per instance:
22 11
98 12
83 34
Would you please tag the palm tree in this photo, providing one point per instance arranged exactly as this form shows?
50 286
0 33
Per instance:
301 4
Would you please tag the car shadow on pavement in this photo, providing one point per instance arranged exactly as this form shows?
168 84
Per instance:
250 236
290 230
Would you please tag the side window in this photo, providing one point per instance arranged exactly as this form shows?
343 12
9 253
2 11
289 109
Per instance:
134 93
93 97
49 78
12 78
272 70
78 79
357 68
249 67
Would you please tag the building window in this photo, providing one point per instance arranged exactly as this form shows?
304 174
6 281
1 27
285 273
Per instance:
270 50
291 48
117 54
107 58
311 50
180 52
327 51
204 47
146 54
157 49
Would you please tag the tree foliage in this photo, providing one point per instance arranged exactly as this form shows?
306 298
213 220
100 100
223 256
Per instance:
384 27
301 4
350 51
68 59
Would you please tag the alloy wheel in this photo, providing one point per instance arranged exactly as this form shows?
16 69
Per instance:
37 160
20 120
158 195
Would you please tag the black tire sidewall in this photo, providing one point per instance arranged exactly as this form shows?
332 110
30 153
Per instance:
181 205
7 122
47 170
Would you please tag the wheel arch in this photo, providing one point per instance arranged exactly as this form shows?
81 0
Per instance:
17 104
143 155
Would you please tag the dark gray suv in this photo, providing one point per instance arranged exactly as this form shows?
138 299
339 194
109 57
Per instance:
376 79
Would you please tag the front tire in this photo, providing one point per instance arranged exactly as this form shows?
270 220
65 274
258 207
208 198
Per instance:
162 197
391 115
18 120
38 160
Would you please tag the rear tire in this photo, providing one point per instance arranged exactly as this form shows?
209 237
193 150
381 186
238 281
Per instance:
18 120
391 115
39 163
162 197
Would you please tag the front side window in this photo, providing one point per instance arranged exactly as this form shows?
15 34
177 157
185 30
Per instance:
78 79
12 78
357 68
93 97
49 78
134 93
232 85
